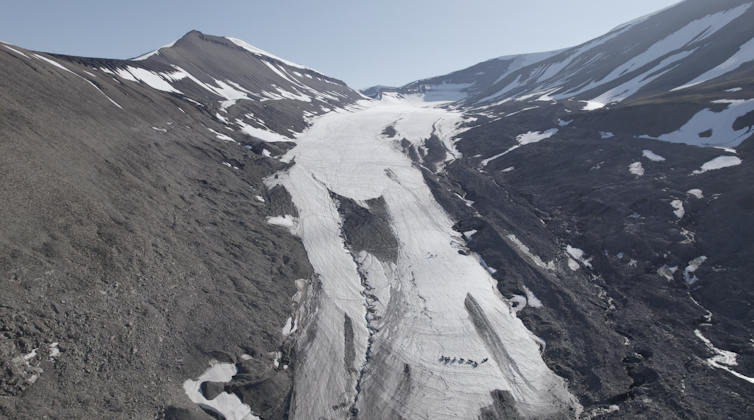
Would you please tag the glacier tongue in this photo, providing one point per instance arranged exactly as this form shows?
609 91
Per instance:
431 303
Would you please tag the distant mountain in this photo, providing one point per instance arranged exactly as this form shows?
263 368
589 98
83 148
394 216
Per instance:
211 231
236 80
374 91
691 43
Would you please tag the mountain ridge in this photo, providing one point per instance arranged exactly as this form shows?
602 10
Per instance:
161 228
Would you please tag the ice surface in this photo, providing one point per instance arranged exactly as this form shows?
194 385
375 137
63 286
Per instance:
652 156
636 169
228 405
744 54
720 124
606 134
432 300
563 123
719 162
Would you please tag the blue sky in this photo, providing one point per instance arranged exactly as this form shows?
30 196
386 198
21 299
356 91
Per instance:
364 43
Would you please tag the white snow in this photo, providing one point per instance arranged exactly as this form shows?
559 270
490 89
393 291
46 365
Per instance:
16 51
652 156
469 234
525 250
606 134
667 272
573 265
54 350
719 162
688 273
266 153
221 136
694 31
262 134
289 327
228 405
151 53
720 123
257 51
678 206
578 255
526 138
284 221
535 136
632 86
696 193
738 89
54 63
259 198
636 169
563 123
431 313
159 81
532 300
592 105
722 359
744 54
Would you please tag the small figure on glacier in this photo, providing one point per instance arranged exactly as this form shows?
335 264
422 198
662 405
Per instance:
453 361
475 365
460 360
483 361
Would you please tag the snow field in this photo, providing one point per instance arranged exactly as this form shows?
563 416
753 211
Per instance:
431 302
228 405
718 126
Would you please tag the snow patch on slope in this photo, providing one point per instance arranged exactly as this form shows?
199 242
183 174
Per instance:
719 123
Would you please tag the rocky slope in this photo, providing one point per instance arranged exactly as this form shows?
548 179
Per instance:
135 246
582 222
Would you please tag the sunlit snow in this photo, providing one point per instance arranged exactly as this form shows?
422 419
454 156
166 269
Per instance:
151 53
636 169
227 405
652 156
722 359
744 55
719 162
720 124
696 193
678 206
